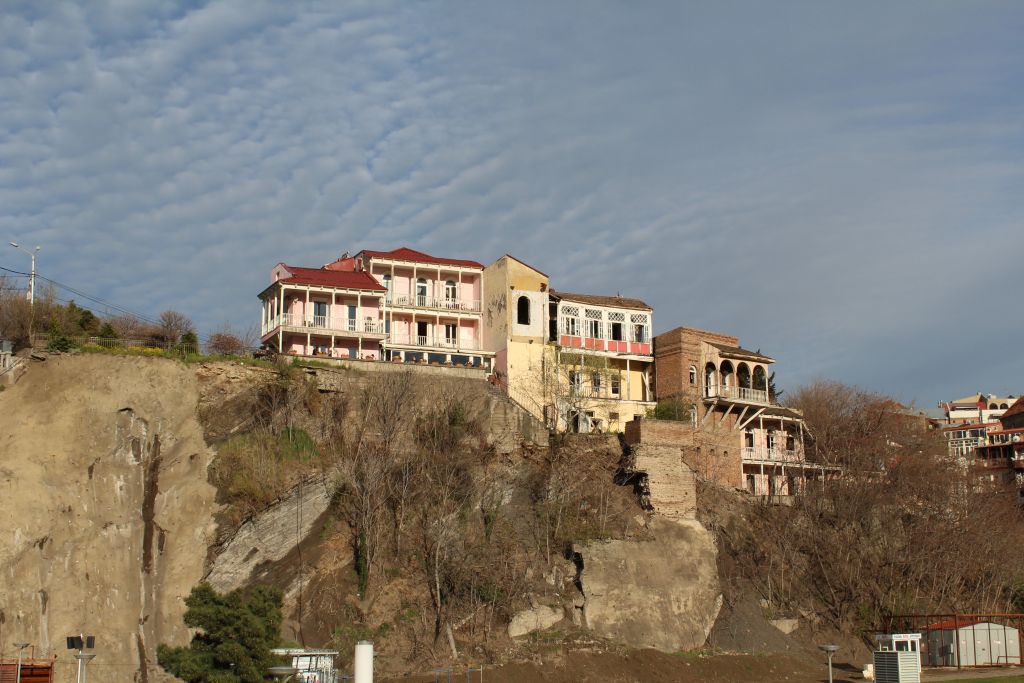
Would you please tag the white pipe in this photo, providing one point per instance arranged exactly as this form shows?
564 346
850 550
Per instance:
363 665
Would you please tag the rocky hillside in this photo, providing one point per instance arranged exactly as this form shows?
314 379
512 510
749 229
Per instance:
421 510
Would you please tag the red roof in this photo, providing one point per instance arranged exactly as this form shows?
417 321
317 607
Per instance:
1016 409
342 279
952 623
407 254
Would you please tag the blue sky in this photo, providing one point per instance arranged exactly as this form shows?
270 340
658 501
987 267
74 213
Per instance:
837 183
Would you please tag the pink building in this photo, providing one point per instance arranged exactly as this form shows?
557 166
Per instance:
379 305
323 312
432 309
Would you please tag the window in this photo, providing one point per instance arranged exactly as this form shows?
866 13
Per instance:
523 310
571 327
616 386
613 417
790 441
595 382
748 438
319 314
693 375
615 322
387 286
450 293
421 292
451 333
575 380
594 326
770 439
640 327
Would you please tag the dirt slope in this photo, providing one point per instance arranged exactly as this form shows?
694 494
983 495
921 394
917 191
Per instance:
107 509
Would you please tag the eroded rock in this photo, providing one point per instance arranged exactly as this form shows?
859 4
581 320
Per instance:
661 593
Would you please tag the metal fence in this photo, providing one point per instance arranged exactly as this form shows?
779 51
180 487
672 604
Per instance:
141 346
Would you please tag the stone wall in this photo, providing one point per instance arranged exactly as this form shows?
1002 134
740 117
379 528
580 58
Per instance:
711 451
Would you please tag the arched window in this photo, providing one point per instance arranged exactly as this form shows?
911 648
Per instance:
523 310
1003 406
993 406
693 374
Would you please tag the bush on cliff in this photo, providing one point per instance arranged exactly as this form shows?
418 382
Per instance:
235 633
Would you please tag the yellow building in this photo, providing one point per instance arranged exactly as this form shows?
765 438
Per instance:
579 362
603 361
515 309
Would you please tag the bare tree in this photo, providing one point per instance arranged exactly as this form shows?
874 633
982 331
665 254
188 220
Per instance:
173 325
225 342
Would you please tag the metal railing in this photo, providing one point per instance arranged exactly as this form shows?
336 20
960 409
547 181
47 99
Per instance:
737 393
44 342
437 342
323 322
438 303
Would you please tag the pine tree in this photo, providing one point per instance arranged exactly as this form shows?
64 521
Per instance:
235 633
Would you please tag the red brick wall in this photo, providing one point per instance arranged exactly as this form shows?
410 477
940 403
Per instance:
712 450
674 352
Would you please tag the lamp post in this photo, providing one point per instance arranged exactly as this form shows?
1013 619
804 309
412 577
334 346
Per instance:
21 648
32 277
82 643
829 650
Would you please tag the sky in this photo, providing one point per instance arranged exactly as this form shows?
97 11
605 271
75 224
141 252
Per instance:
839 184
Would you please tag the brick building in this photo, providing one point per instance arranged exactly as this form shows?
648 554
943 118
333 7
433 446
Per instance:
737 433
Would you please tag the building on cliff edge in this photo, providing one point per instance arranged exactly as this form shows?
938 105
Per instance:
736 432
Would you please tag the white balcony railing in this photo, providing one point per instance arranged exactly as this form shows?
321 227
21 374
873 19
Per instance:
765 454
323 322
429 342
441 304
737 393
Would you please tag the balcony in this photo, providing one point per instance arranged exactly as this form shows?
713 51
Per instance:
429 342
434 304
319 324
758 454
740 394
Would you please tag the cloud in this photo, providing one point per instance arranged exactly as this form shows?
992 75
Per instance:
837 184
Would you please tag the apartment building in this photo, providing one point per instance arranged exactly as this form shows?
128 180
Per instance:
319 312
978 408
999 460
432 307
737 433
602 361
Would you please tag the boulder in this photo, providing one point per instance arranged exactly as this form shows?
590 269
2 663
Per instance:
538 618
661 592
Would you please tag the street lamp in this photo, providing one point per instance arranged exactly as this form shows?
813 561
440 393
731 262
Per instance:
32 277
82 643
21 648
829 650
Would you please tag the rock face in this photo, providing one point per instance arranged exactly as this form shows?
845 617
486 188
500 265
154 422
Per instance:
107 509
269 536
661 593
536 619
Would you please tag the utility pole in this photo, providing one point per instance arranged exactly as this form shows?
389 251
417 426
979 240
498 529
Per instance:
31 290
32 276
